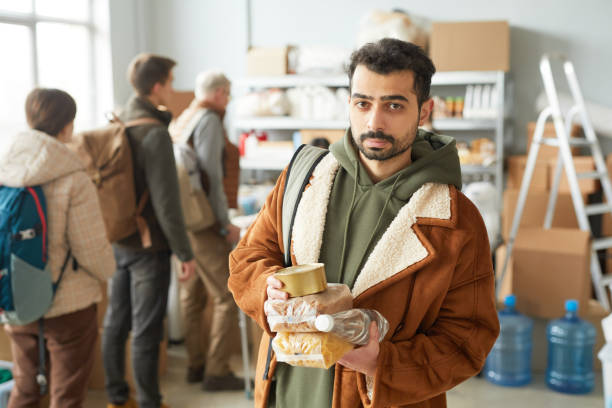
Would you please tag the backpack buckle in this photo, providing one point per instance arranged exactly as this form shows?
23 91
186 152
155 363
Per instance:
27 234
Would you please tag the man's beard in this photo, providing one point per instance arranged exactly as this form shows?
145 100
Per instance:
376 153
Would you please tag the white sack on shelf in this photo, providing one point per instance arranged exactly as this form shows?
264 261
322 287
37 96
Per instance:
321 60
271 102
381 24
600 116
315 103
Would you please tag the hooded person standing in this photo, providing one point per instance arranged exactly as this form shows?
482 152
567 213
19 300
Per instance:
35 157
385 214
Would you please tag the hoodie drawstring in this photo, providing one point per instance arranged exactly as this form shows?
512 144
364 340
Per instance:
346 223
348 218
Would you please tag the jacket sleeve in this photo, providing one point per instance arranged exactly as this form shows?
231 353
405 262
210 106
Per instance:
86 231
258 255
209 142
453 349
160 173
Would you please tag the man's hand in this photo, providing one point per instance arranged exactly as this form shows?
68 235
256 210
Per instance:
363 359
187 270
233 234
273 289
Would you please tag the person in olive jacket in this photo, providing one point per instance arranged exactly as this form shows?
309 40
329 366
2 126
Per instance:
139 289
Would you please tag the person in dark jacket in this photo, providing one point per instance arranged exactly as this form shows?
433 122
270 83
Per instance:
139 290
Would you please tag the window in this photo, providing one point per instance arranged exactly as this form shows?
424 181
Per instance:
61 44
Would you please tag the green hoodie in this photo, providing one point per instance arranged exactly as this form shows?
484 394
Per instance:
358 214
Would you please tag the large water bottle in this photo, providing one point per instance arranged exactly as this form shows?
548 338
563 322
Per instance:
570 352
509 362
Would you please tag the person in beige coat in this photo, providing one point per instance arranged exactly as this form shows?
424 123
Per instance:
39 157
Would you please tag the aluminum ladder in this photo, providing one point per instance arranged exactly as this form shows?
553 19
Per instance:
563 142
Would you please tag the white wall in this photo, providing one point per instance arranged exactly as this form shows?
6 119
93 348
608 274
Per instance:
202 34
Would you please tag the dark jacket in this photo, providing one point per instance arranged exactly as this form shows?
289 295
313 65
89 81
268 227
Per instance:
155 170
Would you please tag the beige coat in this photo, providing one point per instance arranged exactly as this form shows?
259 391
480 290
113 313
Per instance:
430 275
74 219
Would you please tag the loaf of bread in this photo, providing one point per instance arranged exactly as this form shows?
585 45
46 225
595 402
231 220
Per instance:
319 350
298 314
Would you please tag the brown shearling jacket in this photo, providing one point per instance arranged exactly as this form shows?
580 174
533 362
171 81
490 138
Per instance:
430 275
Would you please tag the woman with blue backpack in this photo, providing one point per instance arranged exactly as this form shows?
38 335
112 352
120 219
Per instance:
54 254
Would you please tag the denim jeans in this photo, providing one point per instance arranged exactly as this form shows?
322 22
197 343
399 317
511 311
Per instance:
138 294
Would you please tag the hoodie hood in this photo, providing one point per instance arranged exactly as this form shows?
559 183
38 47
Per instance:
434 159
31 158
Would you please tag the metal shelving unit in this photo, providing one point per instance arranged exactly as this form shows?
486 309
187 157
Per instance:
495 127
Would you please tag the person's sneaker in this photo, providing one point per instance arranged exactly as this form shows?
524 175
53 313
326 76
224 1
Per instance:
227 382
130 403
195 374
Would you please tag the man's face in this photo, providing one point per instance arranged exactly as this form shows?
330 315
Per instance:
222 96
165 90
384 113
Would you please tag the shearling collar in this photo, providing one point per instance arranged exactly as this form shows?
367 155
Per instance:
401 246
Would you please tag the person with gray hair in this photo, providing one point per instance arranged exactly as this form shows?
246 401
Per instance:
201 126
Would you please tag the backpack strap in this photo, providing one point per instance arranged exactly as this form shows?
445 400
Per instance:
143 229
41 377
303 163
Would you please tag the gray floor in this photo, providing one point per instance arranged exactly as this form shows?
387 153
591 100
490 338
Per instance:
473 393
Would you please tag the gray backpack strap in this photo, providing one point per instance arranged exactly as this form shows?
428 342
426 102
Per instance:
303 163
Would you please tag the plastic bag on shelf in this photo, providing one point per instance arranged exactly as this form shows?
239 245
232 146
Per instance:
298 314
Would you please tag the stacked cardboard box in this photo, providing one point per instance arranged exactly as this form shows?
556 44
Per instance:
547 266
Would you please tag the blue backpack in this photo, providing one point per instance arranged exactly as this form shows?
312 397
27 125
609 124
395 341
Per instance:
26 287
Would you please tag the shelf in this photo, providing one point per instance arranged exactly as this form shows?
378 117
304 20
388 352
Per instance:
341 80
271 164
474 169
290 81
288 123
261 164
465 77
464 124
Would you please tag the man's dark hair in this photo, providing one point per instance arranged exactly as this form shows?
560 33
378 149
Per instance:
390 55
146 70
49 110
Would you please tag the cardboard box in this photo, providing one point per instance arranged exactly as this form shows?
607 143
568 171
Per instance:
267 61
179 101
516 171
551 152
332 135
593 312
470 46
6 354
534 211
582 164
550 266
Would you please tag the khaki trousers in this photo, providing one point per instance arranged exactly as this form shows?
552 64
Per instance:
212 257
70 342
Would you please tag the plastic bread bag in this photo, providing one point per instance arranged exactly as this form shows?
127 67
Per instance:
298 314
353 325
319 350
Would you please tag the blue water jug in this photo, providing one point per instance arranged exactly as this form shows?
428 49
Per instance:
509 362
570 352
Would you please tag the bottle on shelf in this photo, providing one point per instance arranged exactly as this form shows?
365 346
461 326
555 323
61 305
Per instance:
509 362
570 352
353 325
